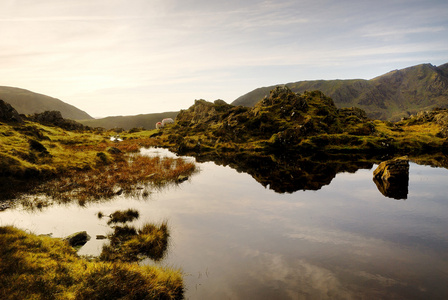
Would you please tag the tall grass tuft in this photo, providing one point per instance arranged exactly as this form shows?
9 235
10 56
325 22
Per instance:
129 244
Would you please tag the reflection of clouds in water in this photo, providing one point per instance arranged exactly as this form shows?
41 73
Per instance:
296 279
358 244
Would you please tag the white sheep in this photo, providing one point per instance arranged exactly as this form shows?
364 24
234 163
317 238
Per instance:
167 121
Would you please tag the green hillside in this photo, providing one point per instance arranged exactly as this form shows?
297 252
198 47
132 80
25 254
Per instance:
397 94
27 102
147 121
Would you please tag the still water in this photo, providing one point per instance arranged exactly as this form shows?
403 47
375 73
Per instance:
235 239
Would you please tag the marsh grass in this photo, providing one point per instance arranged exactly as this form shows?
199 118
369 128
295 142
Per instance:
40 267
133 176
121 216
130 244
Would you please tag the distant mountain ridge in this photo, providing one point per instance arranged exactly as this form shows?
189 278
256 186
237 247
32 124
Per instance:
28 102
146 121
397 94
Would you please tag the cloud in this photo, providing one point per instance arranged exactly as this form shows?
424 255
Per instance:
74 48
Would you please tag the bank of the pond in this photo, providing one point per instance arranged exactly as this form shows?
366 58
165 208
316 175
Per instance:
48 268
41 267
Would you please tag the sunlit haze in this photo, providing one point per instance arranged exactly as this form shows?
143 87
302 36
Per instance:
130 57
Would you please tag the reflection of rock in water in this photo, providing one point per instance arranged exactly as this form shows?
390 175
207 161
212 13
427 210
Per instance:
289 174
392 178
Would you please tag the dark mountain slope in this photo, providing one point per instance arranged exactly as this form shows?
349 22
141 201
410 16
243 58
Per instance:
391 96
27 102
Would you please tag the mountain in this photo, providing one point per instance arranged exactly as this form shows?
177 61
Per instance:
147 121
27 102
397 94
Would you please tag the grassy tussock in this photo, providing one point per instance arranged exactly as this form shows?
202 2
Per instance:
129 244
33 267
120 216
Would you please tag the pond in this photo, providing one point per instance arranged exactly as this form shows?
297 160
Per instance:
237 239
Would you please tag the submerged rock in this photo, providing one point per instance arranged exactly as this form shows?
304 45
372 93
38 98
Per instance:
392 178
77 239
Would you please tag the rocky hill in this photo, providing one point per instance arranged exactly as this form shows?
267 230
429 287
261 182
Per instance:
397 94
284 120
27 102
288 122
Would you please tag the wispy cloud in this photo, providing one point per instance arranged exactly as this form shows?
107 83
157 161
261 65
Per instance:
80 47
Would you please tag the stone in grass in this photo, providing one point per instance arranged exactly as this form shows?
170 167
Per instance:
181 178
77 239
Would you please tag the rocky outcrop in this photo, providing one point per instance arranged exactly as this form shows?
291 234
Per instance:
8 113
55 118
392 178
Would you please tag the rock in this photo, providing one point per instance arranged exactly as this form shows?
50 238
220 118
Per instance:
8 113
77 239
117 190
392 178
181 178
113 150
4 206
55 118
395 169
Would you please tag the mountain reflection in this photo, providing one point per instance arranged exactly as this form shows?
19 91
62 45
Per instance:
287 174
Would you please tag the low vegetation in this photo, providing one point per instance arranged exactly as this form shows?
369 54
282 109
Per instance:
40 267
130 244
123 216
84 165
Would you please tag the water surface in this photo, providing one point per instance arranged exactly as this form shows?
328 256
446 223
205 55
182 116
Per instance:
236 239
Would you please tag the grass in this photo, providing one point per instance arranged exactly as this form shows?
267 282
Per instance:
132 175
129 244
40 267
84 166
120 216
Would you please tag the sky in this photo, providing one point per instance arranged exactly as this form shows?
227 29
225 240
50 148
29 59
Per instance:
129 57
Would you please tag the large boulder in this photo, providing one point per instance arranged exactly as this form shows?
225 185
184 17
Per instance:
392 177
8 113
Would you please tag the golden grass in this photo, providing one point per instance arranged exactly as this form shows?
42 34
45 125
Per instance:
84 165
133 175
35 267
